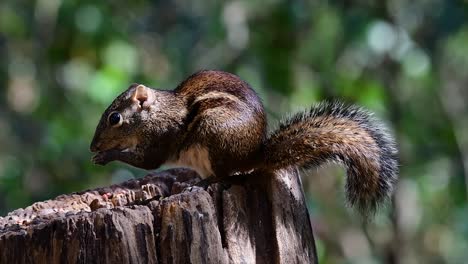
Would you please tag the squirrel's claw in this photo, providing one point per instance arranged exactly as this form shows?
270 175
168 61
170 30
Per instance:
100 158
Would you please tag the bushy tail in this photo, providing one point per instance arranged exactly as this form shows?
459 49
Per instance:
333 132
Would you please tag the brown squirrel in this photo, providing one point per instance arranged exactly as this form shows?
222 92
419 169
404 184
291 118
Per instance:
215 123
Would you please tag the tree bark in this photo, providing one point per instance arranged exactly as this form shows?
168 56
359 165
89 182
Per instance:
261 218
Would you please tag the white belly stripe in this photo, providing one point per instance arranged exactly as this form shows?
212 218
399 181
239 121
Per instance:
196 158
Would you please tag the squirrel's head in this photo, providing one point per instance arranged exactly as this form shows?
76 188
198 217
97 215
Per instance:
135 118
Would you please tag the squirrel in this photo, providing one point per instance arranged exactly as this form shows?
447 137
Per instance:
215 123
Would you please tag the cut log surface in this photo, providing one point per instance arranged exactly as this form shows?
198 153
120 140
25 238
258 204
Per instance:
156 219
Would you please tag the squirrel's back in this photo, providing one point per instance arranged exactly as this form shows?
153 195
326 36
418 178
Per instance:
209 84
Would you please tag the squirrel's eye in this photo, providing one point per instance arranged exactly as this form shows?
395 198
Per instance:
115 119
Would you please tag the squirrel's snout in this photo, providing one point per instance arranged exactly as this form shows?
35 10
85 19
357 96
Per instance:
94 147
96 143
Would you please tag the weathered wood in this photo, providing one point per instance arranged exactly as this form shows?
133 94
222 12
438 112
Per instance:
156 219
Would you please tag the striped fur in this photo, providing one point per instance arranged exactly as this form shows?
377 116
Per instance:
334 132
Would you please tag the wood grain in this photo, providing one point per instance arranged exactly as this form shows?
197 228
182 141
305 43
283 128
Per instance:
155 219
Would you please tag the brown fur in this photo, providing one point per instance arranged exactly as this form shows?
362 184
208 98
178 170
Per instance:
233 127
214 122
344 134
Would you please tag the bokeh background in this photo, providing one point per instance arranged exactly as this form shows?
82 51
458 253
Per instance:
62 62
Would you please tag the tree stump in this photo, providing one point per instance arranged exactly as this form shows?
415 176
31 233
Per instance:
157 219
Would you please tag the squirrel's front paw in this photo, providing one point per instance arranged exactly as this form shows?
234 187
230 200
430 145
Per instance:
100 158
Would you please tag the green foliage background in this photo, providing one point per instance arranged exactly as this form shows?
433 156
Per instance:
62 62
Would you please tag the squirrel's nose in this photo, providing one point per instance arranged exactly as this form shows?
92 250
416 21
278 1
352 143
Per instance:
94 147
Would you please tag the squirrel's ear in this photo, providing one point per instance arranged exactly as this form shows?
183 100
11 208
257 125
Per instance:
143 95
